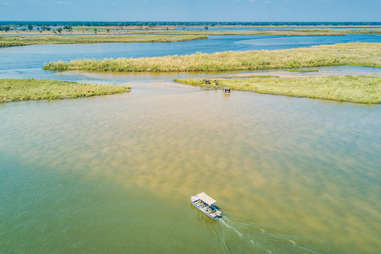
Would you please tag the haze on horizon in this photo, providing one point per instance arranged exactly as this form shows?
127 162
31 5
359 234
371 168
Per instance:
190 10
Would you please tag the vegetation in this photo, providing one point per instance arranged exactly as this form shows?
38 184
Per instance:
191 23
31 89
364 54
303 70
293 31
5 28
9 41
206 31
353 89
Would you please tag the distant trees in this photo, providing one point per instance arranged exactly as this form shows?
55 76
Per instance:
45 28
30 27
5 28
68 28
59 30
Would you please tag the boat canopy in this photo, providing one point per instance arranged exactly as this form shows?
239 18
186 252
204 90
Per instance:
205 198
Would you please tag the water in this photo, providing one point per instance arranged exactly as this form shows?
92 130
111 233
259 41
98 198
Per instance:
27 62
114 174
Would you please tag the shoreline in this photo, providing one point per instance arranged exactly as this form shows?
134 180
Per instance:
16 41
352 89
13 90
351 54
293 31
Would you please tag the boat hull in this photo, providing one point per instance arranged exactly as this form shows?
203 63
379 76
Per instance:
203 210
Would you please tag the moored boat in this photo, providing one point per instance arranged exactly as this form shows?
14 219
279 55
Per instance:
206 205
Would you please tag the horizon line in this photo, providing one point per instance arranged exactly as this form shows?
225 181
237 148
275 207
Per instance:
195 21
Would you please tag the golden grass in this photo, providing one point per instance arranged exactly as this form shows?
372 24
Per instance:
355 89
287 32
362 54
9 41
31 89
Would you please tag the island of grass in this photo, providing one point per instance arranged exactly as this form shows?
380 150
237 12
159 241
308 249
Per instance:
282 32
354 89
303 70
31 89
12 41
360 54
292 31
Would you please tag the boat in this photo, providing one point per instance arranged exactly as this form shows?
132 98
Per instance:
206 205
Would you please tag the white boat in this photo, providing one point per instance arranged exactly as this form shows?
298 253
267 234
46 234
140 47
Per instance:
206 205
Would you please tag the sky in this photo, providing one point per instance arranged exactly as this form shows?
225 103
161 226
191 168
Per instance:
191 10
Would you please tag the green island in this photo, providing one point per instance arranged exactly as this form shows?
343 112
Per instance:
12 41
31 89
359 54
354 89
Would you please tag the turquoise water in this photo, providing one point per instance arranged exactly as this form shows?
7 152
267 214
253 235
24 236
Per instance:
114 174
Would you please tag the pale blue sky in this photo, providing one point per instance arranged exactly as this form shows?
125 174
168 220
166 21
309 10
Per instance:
191 10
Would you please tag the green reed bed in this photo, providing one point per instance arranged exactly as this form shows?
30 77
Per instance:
31 89
362 54
355 89
9 41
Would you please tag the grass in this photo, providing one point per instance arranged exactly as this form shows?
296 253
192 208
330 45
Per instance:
31 89
286 32
355 89
11 41
303 70
361 54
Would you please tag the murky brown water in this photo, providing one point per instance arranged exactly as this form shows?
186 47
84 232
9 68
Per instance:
114 174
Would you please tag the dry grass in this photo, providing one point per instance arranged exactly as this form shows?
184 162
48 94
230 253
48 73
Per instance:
355 89
361 54
9 41
31 89
250 31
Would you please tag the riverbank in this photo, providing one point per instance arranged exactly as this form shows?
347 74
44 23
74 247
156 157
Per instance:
360 54
12 41
250 31
355 89
31 89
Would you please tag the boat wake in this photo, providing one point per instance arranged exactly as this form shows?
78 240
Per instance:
231 227
238 237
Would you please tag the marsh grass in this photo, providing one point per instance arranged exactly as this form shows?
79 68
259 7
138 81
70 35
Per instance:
362 54
31 89
304 70
355 89
288 32
292 31
11 41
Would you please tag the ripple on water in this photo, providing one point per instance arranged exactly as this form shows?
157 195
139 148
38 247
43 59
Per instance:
306 171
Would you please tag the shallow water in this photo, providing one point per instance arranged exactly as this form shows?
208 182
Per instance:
27 62
114 174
